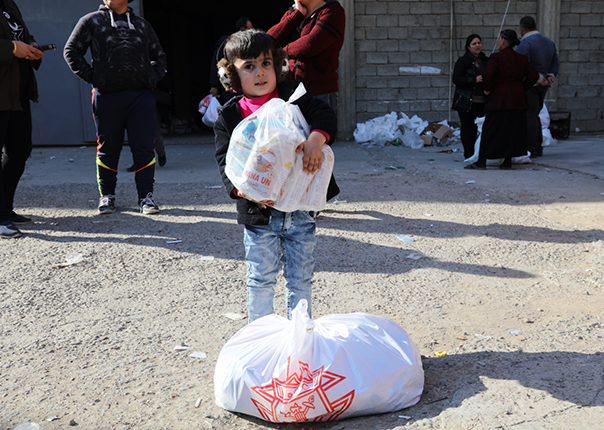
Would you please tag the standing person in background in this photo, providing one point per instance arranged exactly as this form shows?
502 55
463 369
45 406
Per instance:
127 62
507 76
18 59
312 34
216 89
467 77
542 55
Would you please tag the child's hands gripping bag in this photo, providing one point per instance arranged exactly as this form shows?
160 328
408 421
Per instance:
262 162
336 367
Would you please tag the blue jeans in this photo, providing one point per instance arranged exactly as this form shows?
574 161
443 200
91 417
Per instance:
287 242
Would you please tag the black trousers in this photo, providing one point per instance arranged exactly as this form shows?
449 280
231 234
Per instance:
469 129
115 113
16 145
535 96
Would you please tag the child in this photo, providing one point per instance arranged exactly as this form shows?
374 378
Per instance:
253 63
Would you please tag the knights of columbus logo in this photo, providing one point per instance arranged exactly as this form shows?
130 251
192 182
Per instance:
302 396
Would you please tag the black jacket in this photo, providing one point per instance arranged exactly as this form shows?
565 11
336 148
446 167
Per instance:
465 72
123 58
318 115
10 74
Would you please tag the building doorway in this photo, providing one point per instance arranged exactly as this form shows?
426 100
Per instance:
188 31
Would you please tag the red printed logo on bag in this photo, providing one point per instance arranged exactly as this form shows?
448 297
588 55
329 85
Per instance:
302 396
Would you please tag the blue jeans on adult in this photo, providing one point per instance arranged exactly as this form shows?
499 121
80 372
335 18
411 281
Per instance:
287 242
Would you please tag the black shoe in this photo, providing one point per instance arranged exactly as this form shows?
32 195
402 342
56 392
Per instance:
107 204
161 159
130 169
475 166
537 152
505 166
8 230
19 219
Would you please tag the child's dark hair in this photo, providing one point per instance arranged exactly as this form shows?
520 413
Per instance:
246 45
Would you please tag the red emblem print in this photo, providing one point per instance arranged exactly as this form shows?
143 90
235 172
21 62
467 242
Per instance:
302 396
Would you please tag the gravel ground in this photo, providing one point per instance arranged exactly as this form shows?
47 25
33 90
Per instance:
509 284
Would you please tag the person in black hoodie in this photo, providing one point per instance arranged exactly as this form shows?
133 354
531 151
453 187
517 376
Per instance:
18 59
127 62
253 63
469 99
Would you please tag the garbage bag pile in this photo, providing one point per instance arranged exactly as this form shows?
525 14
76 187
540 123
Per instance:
336 367
388 128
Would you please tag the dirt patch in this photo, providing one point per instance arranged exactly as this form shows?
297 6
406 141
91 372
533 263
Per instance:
509 284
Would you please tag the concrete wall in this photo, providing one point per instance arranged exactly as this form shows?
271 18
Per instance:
404 54
581 51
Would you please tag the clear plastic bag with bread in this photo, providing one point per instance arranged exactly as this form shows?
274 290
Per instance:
262 162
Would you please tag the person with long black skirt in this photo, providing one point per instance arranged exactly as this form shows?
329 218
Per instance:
507 76
469 98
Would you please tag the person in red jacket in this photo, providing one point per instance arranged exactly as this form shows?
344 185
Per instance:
312 34
507 76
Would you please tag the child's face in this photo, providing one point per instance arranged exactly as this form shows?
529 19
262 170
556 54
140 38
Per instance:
257 75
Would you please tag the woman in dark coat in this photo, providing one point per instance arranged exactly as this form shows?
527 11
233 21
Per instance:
18 59
467 77
507 76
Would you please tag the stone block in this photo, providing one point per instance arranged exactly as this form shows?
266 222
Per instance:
366 94
408 93
367 21
387 45
427 93
431 45
400 58
408 21
570 19
420 8
377 58
408 46
388 21
584 114
470 21
376 8
592 19
376 33
441 8
387 70
484 7
377 82
399 82
398 33
367 45
398 8
367 71
420 33
580 6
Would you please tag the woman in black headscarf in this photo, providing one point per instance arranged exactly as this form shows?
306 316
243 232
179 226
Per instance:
18 58
469 96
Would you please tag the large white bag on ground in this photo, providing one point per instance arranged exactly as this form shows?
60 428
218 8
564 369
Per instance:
262 162
335 367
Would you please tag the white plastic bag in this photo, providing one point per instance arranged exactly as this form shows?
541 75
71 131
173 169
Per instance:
335 367
262 162
211 114
378 130
204 103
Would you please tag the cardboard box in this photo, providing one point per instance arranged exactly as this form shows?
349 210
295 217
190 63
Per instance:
436 134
